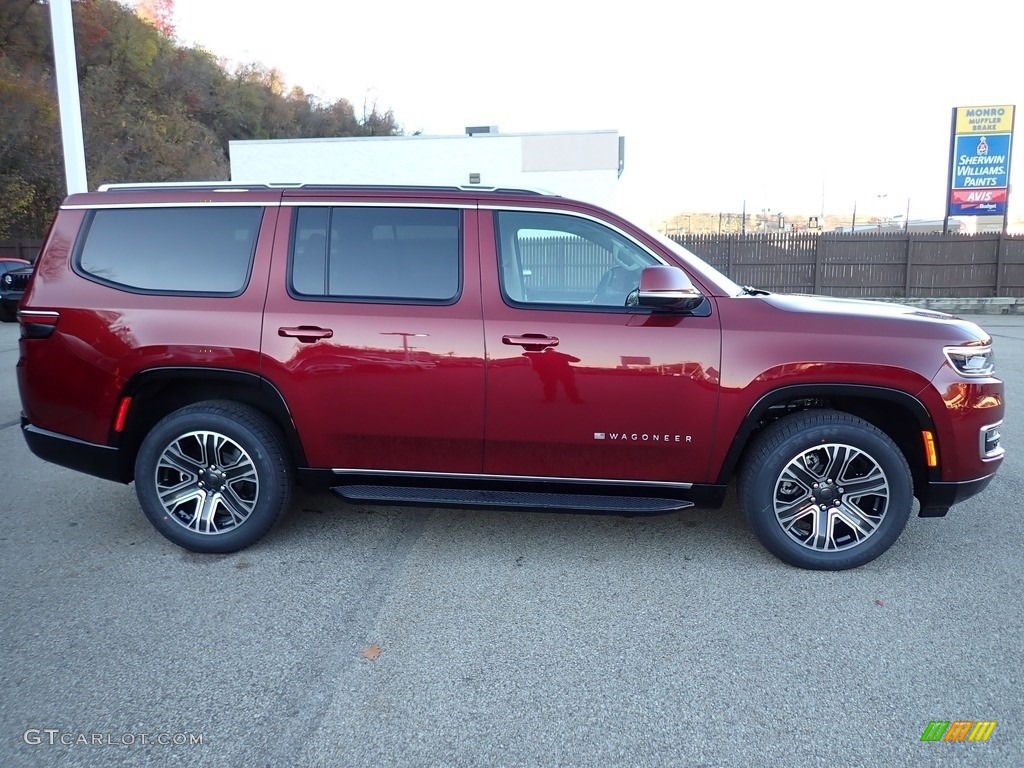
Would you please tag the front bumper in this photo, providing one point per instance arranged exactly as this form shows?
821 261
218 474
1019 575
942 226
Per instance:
940 496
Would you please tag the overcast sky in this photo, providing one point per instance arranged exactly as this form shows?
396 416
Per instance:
772 103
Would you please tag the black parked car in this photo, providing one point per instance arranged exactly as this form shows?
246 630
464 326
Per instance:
14 276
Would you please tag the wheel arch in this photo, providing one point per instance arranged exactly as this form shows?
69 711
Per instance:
157 392
900 415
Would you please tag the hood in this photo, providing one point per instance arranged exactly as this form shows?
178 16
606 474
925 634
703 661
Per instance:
878 311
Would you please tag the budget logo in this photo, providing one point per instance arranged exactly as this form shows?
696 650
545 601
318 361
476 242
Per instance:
958 730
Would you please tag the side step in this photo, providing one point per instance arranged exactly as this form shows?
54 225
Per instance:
463 497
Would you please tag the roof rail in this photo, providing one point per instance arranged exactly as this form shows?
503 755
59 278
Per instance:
508 190
237 185
194 185
426 188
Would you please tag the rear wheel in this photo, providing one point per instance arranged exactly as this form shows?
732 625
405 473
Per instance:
213 476
826 490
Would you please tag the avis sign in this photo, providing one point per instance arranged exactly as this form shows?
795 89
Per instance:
980 165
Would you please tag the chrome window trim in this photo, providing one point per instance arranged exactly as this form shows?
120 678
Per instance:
329 203
578 215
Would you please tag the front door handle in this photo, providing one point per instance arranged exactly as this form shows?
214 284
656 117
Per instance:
532 341
307 334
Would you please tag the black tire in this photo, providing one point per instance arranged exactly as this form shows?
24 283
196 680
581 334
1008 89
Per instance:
826 470
244 479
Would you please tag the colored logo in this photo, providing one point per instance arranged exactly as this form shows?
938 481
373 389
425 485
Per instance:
958 730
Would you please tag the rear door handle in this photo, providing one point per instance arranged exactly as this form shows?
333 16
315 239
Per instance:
529 340
307 334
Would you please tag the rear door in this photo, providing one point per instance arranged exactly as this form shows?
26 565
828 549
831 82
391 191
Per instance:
579 385
373 333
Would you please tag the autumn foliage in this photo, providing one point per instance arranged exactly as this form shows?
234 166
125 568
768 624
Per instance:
152 110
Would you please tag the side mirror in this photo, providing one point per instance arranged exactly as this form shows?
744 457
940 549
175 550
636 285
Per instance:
665 287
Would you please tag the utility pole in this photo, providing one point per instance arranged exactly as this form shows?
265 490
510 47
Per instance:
66 65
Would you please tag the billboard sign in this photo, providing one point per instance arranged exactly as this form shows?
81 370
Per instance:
979 173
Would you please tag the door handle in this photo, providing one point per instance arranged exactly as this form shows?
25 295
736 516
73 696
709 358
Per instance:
530 340
307 334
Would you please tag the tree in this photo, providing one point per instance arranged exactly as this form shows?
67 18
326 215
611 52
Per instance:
158 14
152 110
31 166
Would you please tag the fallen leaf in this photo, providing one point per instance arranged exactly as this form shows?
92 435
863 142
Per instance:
880 603
371 652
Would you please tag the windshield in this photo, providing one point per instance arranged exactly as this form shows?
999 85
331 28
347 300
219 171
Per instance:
698 264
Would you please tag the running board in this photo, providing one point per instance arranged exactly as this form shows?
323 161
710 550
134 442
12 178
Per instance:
465 497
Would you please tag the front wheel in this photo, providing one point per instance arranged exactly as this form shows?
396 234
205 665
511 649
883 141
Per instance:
213 476
825 490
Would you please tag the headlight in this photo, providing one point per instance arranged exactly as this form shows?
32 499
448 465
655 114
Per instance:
971 361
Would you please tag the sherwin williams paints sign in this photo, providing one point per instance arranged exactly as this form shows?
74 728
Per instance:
979 171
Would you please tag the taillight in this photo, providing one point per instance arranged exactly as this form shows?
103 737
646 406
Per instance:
37 323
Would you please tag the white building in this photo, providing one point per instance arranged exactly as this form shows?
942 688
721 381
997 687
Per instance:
580 164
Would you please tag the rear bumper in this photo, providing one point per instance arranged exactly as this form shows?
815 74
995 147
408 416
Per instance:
97 460
941 496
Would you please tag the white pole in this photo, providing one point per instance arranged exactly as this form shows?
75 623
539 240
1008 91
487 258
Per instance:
67 95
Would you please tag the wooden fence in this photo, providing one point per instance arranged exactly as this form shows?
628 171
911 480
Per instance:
882 265
21 249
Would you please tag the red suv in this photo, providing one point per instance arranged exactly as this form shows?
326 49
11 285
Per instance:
483 348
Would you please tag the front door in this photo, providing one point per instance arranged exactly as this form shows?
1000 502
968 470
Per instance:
580 385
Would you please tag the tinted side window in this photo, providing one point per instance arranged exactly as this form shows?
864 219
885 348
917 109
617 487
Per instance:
550 258
172 250
409 254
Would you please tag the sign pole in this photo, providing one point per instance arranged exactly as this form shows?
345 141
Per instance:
1009 163
66 65
949 172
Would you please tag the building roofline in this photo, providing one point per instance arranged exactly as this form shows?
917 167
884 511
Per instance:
421 137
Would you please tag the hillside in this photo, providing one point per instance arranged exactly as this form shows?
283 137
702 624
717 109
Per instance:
152 110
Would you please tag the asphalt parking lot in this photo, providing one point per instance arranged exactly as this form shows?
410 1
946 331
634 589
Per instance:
359 636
